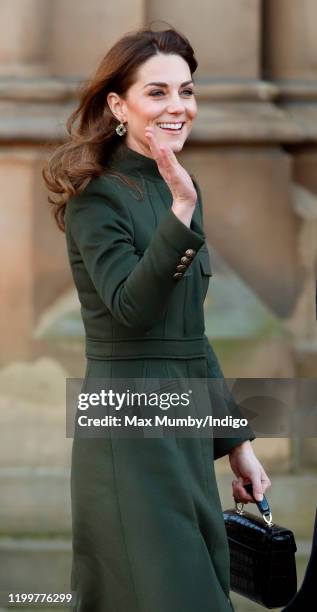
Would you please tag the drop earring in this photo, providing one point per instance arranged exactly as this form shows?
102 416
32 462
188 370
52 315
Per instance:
121 129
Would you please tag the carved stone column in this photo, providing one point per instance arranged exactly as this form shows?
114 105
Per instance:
224 33
45 48
33 252
23 40
82 32
290 42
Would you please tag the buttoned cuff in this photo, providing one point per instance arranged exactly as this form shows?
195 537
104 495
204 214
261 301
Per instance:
181 238
178 235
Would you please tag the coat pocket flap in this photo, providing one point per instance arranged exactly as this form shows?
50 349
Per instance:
205 262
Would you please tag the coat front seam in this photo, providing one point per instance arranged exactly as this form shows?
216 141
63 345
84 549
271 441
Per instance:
122 525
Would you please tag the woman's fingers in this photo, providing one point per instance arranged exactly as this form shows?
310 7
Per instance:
158 153
239 493
171 155
175 176
163 154
248 469
153 144
266 483
260 482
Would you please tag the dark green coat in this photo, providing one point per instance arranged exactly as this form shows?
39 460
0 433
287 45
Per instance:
148 530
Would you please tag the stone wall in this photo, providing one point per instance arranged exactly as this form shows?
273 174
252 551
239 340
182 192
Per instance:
252 148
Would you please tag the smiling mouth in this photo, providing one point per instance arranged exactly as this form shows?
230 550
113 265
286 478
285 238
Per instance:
172 128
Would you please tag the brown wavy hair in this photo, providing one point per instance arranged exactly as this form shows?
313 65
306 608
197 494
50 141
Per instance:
91 127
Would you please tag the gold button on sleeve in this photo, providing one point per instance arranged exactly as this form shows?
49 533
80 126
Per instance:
190 253
185 260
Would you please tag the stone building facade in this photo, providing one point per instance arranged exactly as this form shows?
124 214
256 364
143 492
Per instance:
257 100
253 149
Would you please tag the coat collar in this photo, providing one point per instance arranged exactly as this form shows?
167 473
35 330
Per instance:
133 163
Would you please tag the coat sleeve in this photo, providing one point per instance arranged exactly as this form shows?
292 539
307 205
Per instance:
221 398
223 404
135 288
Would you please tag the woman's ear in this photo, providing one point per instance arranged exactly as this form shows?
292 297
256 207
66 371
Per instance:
115 104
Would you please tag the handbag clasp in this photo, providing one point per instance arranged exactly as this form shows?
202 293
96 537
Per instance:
237 504
267 516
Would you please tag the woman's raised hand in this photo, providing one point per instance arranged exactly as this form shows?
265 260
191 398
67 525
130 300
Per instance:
176 177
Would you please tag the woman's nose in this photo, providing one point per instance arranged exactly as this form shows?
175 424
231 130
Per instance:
175 104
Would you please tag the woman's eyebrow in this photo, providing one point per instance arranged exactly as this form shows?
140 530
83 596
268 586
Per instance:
159 84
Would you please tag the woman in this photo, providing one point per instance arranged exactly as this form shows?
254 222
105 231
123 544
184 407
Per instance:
148 530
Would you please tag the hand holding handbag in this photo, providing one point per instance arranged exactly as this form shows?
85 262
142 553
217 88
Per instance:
262 555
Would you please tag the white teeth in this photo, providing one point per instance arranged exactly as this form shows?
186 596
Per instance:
170 126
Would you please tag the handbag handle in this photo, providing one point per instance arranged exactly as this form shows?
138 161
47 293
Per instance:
262 505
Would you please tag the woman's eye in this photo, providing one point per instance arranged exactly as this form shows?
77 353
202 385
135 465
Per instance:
185 91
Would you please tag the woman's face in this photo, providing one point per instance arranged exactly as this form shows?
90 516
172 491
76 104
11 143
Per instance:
162 93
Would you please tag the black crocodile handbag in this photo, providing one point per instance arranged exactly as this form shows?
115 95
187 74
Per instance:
262 555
